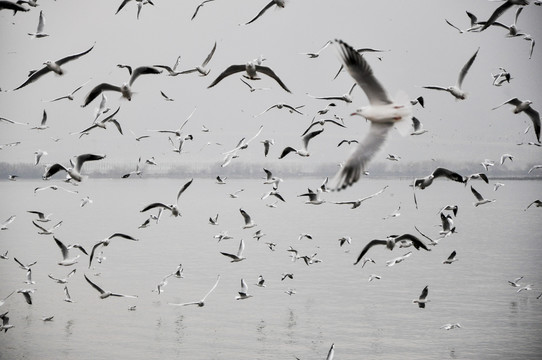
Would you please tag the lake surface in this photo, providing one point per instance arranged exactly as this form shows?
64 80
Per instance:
333 302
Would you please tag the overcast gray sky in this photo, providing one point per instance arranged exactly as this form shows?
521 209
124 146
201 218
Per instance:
423 50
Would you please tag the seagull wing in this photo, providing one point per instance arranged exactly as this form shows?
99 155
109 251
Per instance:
535 118
498 12
449 174
416 242
309 136
229 71
212 289
267 71
424 293
208 58
97 90
154 205
35 76
124 236
62 247
73 57
124 2
466 68
92 253
39 227
81 159
271 3
94 285
183 188
360 70
142 70
367 247
478 196
361 156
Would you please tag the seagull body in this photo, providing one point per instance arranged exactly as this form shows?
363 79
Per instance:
261 281
105 294
239 256
515 282
390 244
448 227
213 221
450 326
305 142
201 69
27 294
125 89
382 112
243 294
456 90
66 260
106 241
54 66
74 172
38 154
103 124
525 106
173 207
202 301
63 280
421 301
357 203
251 72
480 198
249 223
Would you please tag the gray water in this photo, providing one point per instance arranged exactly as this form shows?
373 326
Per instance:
333 303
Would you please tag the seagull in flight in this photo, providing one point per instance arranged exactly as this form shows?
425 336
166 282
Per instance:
174 208
456 90
357 203
54 66
249 223
105 294
480 199
39 31
251 72
424 182
525 106
74 172
390 244
106 241
125 89
202 301
383 113
305 144
278 3
103 124
500 10
243 293
70 95
421 301
198 7
201 69
239 256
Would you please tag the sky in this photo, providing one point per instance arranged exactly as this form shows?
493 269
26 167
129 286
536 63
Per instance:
421 49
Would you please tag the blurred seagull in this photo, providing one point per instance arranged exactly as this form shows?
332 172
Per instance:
348 142
535 167
4 225
347 98
202 301
243 294
280 106
66 261
27 294
357 203
382 112
251 69
456 90
322 123
5 319
125 89
515 282
39 31
500 10
174 208
266 145
525 106
421 301
305 143
314 197
62 280
67 297
450 326
45 231
399 259
105 294
3 301
198 7
201 69
278 3
506 156
43 124
25 267
390 244
450 258
167 98
248 220
536 203
252 88
261 281
74 172
239 256
52 66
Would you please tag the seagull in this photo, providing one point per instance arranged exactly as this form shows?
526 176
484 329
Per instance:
279 106
365 261
222 236
105 294
74 172
85 200
202 301
67 297
45 231
167 98
70 95
239 256
173 207
201 69
278 3
480 176
5 319
314 197
322 123
52 66
422 183
29 277
171 71
290 292
26 293
63 280
241 145
140 4
198 7
251 69
382 112
347 98
390 244
213 221
357 203
393 157
535 167
452 208
43 124
536 203
160 286
398 259
220 181
305 143
258 235
316 54
396 213
331 352
4 225
526 288
271 245
270 179
248 220
235 194
274 193
261 281
243 294
450 326
39 31
103 124
506 156
125 89
12 122
448 227
373 277
497 185
450 258
480 198
252 88
106 241
38 154
287 275
525 106
500 10
66 261
4 256
8 5
179 272
421 300
456 90
345 239
348 142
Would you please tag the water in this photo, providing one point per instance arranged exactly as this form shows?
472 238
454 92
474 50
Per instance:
333 303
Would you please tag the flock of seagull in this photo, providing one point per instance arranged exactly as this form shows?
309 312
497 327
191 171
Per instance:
382 111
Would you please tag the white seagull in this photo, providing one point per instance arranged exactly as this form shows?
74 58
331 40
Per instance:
45 231
251 69
450 258
249 223
243 294
174 208
4 225
382 112
305 144
39 31
456 90
106 241
62 280
480 199
239 256
74 172
66 260
525 106
201 69
421 301
202 301
105 294
390 244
